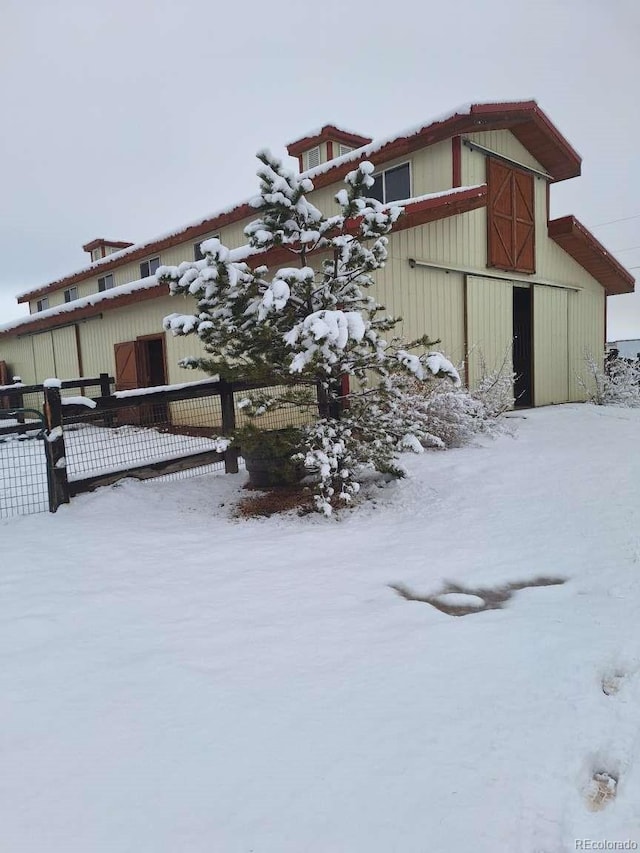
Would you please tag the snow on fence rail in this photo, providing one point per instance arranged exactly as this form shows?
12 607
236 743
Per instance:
172 430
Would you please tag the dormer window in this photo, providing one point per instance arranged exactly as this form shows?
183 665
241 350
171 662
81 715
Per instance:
323 145
100 248
392 185
42 304
149 267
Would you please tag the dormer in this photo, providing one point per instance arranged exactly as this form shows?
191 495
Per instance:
324 144
100 248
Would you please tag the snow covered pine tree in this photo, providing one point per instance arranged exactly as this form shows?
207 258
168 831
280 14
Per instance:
311 327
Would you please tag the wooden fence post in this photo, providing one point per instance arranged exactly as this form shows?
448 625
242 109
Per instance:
54 447
17 400
105 391
228 426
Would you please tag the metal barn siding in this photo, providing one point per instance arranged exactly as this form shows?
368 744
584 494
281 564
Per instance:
65 353
18 354
501 142
98 336
550 345
43 355
489 314
586 331
429 302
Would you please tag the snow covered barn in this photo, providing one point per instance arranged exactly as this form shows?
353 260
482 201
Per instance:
475 261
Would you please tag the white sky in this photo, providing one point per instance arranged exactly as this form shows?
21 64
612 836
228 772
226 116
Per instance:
126 119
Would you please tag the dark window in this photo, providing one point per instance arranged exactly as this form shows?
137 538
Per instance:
105 283
377 190
198 254
70 294
392 184
397 183
148 268
42 304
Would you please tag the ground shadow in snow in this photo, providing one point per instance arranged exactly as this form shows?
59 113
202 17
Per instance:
451 599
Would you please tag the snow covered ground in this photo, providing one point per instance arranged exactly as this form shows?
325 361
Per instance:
176 679
91 450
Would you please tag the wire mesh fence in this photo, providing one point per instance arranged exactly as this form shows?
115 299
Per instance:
100 441
23 465
170 433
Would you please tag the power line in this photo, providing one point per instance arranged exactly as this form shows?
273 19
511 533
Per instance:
613 221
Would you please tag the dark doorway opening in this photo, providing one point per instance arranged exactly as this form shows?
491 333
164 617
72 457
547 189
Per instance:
153 370
523 346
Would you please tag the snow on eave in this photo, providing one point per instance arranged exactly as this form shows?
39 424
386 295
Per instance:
85 302
353 156
135 247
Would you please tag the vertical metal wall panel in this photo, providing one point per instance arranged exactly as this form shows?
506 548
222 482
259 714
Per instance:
586 325
65 353
502 142
429 302
18 354
98 336
432 169
550 345
43 355
489 307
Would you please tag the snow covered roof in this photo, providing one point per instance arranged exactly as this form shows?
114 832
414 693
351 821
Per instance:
524 119
324 133
418 211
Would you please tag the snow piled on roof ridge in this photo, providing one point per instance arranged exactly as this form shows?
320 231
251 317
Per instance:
356 154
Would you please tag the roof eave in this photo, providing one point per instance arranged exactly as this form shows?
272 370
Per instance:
572 236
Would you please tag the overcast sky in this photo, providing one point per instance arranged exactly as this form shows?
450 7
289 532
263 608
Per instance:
127 119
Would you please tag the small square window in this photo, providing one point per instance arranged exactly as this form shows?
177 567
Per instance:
105 283
70 294
42 304
149 267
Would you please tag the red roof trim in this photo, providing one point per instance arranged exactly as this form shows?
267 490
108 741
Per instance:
243 211
328 132
579 242
416 213
524 118
100 241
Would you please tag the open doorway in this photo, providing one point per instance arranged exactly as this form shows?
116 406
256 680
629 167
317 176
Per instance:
142 364
523 346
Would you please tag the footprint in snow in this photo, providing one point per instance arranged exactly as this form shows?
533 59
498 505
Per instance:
601 790
612 682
